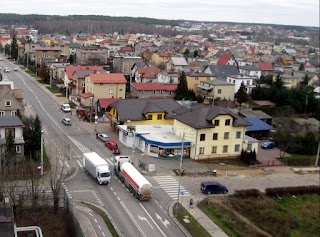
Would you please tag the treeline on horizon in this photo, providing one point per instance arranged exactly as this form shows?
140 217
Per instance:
98 24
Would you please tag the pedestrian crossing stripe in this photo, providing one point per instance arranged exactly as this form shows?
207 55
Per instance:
171 186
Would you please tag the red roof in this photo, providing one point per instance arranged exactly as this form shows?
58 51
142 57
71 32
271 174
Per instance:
154 86
106 41
105 102
86 95
151 72
69 70
224 59
108 78
265 66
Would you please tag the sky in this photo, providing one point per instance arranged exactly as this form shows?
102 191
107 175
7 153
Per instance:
286 12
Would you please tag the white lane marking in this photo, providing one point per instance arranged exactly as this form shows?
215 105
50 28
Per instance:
66 163
152 219
133 220
103 234
99 227
79 163
145 219
96 220
165 222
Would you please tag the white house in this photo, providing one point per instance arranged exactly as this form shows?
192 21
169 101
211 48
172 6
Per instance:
164 77
238 80
250 70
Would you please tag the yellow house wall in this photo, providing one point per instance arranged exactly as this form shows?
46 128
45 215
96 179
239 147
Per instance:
192 82
193 135
227 92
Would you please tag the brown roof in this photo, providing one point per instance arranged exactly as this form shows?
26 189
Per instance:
108 78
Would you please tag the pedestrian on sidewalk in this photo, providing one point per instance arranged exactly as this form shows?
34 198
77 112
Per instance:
191 203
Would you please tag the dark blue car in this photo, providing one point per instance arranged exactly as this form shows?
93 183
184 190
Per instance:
267 145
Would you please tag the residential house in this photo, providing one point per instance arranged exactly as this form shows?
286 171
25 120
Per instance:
124 64
266 68
14 125
217 134
42 52
249 113
57 72
290 81
177 64
304 125
113 49
102 106
258 128
238 80
286 61
227 59
107 85
161 58
73 48
147 74
216 90
221 71
11 101
152 90
85 57
251 71
167 78
142 112
194 79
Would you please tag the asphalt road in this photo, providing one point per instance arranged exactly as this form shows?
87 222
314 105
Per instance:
67 143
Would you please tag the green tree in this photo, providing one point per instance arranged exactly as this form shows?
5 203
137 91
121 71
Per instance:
182 91
14 48
278 83
242 95
306 79
301 67
10 150
186 52
196 53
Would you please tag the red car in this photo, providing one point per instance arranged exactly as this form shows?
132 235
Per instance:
112 145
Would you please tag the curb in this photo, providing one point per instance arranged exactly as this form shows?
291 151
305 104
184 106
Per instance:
176 221
109 216
84 223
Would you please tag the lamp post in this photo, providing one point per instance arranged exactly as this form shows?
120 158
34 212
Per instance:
181 157
41 152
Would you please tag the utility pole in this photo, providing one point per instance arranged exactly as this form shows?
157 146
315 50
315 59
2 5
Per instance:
91 112
180 171
41 152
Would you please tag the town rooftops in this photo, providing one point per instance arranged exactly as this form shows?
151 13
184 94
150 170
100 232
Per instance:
148 86
265 66
69 70
224 59
223 71
108 78
257 125
179 61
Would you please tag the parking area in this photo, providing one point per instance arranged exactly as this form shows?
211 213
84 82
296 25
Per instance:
268 156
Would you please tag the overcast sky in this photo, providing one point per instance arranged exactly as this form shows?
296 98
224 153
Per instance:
288 12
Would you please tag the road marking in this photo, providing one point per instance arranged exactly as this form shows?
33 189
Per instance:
133 220
152 219
165 222
66 163
171 186
79 163
99 227
145 219
95 220
103 234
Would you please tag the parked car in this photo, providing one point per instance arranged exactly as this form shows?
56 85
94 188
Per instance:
15 69
103 137
66 121
66 108
213 188
6 70
116 151
112 145
267 145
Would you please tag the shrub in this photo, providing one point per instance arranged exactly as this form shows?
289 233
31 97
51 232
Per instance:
247 193
293 190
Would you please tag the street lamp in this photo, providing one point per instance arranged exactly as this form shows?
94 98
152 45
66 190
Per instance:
180 171
41 153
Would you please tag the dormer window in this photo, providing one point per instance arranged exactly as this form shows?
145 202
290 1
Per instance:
8 103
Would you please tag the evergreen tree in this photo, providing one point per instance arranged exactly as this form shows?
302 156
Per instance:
14 48
278 83
242 95
301 67
182 91
10 150
196 53
306 79
186 52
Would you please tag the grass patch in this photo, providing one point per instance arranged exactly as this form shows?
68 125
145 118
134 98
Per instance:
105 218
53 89
194 228
286 216
31 73
299 160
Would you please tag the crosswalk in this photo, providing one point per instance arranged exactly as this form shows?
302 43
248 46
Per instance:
171 186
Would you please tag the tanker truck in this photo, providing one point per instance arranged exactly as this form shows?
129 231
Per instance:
138 185
97 167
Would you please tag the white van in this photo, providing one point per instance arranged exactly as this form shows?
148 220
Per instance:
66 108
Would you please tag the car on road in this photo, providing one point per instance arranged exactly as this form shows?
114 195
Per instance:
66 108
213 188
267 145
6 70
103 137
112 145
15 69
66 121
1 59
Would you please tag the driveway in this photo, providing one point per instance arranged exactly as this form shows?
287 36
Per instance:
268 156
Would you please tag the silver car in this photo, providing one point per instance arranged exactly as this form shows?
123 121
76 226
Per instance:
103 137
66 121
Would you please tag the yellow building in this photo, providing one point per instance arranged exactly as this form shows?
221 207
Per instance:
215 132
104 85
42 52
194 79
161 58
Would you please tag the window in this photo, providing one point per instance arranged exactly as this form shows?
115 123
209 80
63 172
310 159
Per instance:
160 92
216 122
249 147
226 136
120 89
213 149
8 103
227 123
13 113
215 136
154 92
237 147
219 91
149 116
2 113
196 78
238 134
201 150
225 149
83 84
159 117
18 149
110 91
202 137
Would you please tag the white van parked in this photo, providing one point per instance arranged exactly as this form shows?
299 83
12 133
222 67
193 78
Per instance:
66 108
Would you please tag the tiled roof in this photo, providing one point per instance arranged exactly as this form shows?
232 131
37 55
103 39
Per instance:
201 116
223 71
224 59
265 66
86 95
108 78
70 69
197 74
10 121
84 73
257 125
250 68
154 86
105 102
132 109
151 72
179 61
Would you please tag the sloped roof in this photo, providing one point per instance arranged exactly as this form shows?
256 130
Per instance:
250 68
105 102
70 69
151 107
10 121
257 125
154 86
84 73
265 66
223 71
224 59
132 109
151 72
179 61
197 74
201 116
108 78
